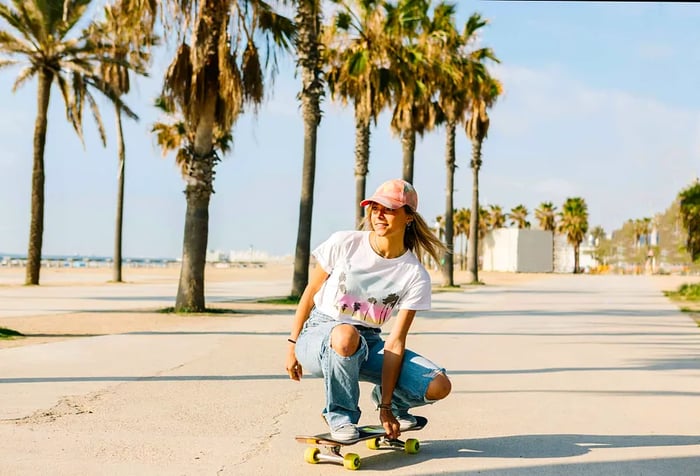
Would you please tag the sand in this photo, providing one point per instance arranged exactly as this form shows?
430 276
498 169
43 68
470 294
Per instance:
51 327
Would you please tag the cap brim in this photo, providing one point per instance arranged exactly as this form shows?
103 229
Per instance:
382 201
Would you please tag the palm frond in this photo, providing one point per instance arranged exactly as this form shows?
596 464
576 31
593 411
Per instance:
6 63
96 115
25 75
252 75
169 137
178 78
281 29
71 110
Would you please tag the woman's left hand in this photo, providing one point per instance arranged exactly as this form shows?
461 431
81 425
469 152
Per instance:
390 424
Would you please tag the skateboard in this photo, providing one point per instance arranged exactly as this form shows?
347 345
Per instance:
375 438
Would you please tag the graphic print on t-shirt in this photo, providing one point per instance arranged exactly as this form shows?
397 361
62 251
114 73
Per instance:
371 309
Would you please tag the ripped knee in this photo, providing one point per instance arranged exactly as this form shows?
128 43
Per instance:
345 340
439 388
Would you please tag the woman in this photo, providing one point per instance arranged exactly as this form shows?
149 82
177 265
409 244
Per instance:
362 277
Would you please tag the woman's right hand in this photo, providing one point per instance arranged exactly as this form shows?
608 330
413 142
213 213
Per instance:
293 366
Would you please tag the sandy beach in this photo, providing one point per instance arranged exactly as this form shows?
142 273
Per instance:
41 327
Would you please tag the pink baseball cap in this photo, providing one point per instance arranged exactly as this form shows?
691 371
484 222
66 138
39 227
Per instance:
394 194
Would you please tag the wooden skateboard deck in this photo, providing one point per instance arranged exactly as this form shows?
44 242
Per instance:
374 435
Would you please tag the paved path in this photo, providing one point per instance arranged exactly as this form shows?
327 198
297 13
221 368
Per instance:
574 375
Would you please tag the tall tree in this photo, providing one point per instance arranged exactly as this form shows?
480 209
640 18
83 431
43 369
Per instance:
414 48
452 104
690 217
458 59
601 247
546 215
496 217
518 216
216 70
356 52
484 90
461 220
573 223
124 34
43 36
310 62
642 228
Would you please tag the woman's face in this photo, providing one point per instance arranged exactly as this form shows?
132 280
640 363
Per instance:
388 221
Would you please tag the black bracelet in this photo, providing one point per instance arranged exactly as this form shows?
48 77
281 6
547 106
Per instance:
292 341
384 406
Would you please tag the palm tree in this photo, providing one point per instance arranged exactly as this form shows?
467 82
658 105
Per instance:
451 107
546 216
125 35
461 219
598 235
357 71
573 223
309 61
414 40
42 36
642 228
496 217
484 90
690 217
453 101
172 136
518 216
216 70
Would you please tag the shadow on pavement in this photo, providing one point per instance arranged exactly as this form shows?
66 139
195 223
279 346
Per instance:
548 446
679 363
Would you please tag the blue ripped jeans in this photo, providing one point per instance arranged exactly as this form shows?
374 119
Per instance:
342 375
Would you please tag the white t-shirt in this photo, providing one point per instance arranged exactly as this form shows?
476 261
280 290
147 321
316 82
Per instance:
365 288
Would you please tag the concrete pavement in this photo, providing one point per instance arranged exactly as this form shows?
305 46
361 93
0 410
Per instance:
566 375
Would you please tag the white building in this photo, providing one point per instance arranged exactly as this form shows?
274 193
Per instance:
532 251
518 250
564 255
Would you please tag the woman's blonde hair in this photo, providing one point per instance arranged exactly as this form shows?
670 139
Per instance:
418 237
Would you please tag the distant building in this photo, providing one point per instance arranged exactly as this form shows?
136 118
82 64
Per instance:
518 250
533 251
564 255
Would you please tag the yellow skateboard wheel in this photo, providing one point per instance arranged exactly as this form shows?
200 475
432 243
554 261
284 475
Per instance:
310 455
412 446
373 444
351 461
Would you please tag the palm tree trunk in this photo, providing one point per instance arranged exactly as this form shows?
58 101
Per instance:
463 258
408 143
36 226
308 51
117 269
362 136
576 258
473 252
448 265
200 185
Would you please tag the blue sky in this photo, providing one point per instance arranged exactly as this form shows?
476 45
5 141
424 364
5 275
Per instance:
602 101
